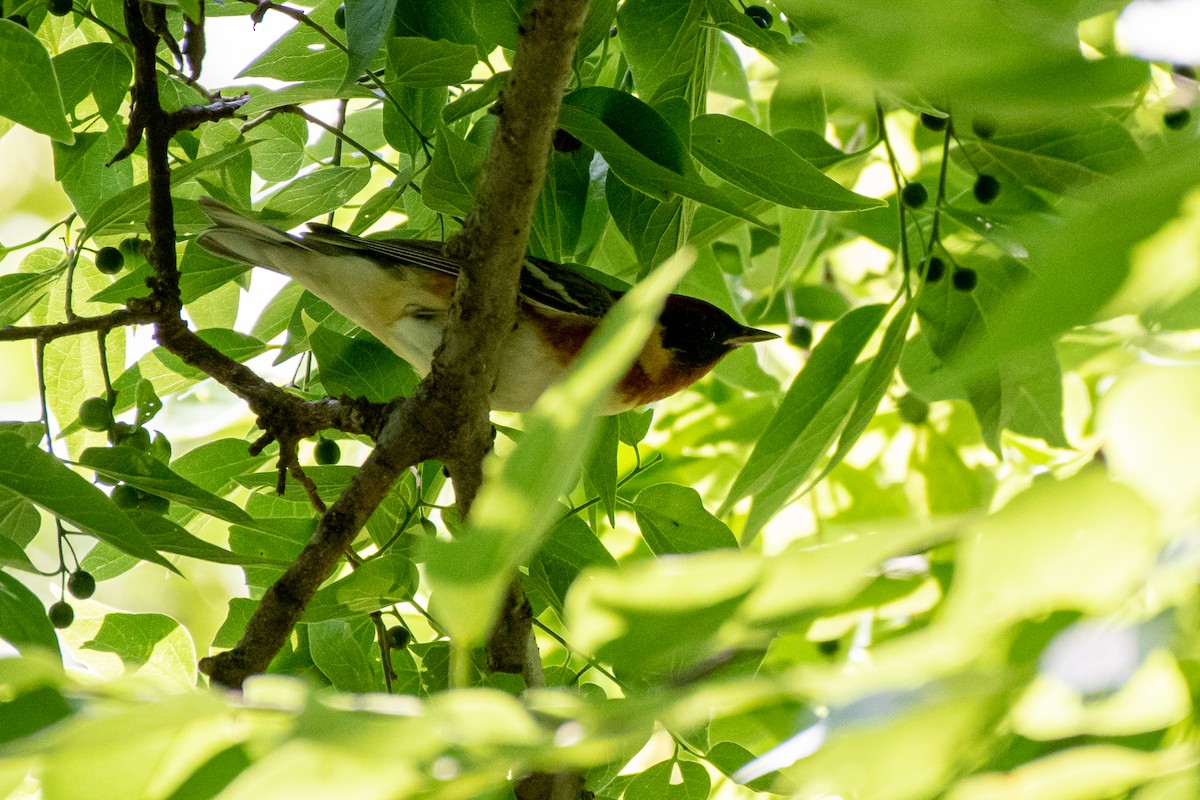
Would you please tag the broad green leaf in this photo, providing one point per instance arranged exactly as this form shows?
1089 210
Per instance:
1057 154
449 186
659 614
764 166
340 657
45 481
657 782
519 502
730 19
314 194
150 645
279 154
641 148
23 622
29 93
143 471
169 537
570 547
772 463
82 169
663 41
20 291
130 206
673 519
422 63
600 468
360 367
366 26
302 54
99 69
330 88
377 583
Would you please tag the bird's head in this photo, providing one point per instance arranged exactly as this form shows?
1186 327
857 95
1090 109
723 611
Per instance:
699 333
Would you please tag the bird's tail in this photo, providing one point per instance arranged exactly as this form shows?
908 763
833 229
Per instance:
248 241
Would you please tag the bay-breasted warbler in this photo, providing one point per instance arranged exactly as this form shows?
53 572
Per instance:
399 290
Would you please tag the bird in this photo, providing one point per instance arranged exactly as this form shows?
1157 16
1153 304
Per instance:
399 290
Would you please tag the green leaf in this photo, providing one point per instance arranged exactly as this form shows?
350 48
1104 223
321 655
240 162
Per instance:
366 26
658 615
422 63
314 194
99 69
377 583
656 782
340 657
45 481
663 41
129 207
518 505
449 186
1056 154
23 622
302 54
878 379
360 367
31 711
81 167
601 465
570 547
330 88
280 152
20 291
29 93
147 644
753 160
673 520
475 99
778 461
143 471
641 147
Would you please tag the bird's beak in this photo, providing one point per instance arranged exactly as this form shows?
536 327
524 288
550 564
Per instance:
750 336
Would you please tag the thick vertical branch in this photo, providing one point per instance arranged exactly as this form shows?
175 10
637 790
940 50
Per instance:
492 244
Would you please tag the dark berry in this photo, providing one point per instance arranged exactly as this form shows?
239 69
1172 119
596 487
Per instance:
934 122
964 279
565 142
160 448
131 248
1185 71
327 452
109 260
984 127
125 496
761 16
800 334
339 17
398 637
912 409
95 414
61 614
914 195
153 503
829 647
138 439
20 20
1177 119
59 8
986 188
81 584
933 269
